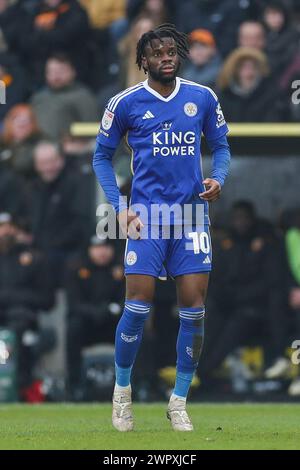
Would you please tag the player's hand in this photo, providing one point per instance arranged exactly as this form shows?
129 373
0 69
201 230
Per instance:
213 190
130 224
294 298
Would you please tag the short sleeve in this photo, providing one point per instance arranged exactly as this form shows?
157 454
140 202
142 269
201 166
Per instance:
113 126
214 123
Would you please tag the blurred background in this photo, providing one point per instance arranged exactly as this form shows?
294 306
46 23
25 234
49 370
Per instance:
61 288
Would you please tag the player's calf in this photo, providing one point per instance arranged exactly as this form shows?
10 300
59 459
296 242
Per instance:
189 347
128 338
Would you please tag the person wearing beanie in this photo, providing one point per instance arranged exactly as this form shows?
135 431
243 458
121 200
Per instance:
205 61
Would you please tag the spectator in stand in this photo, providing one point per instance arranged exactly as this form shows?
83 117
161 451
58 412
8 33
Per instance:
247 93
157 10
289 84
282 39
292 253
10 19
296 14
127 49
245 277
20 135
57 208
12 193
109 24
252 34
15 81
25 290
107 15
77 151
94 284
292 241
56 25
222 18
64 100
205 61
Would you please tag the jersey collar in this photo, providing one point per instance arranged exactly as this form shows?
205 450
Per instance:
159 96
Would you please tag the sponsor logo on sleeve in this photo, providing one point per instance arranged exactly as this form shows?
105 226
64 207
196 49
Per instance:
101 131
220 117
189 351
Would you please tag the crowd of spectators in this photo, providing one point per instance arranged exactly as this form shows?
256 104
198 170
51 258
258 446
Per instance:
78 52
60 61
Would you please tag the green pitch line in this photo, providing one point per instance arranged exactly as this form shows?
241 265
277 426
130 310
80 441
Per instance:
88 427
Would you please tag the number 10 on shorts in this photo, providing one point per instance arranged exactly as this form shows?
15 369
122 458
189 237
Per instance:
201 242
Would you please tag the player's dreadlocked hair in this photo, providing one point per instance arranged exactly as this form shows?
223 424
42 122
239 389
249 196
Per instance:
165 30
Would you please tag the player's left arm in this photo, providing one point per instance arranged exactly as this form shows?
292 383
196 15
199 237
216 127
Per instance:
215 130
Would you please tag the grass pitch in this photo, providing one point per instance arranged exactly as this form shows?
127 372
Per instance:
83 427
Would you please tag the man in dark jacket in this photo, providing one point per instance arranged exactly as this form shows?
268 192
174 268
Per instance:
10 20
221 18
57 208
245 292
56 25
291 273
63 100
94 284
282 39
25 290
11 192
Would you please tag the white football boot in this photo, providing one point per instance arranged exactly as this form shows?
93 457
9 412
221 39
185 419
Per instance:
294 388
122 418
177 414
280 367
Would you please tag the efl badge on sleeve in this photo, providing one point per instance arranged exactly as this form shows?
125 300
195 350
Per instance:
107 119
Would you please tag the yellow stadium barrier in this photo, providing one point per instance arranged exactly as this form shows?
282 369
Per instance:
90 129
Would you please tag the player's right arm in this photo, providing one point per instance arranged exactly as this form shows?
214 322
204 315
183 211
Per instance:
113 127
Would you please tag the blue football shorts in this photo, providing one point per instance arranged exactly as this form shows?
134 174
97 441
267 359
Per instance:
169 251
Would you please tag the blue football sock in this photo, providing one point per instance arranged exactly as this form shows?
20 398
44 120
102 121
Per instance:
123 375
128 338
189 346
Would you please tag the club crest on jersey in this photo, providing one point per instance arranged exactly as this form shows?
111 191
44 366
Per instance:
166 125
131 258
107 119
190 109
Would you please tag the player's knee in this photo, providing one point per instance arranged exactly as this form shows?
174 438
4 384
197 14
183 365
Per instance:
193 303
193 300
140 291
139 297
135 313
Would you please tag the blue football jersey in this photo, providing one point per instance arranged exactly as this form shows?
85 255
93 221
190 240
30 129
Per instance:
164 135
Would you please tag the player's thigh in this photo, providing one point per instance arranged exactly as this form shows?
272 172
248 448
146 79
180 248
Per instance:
192 289
145 256
190 251
143 264
140 287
